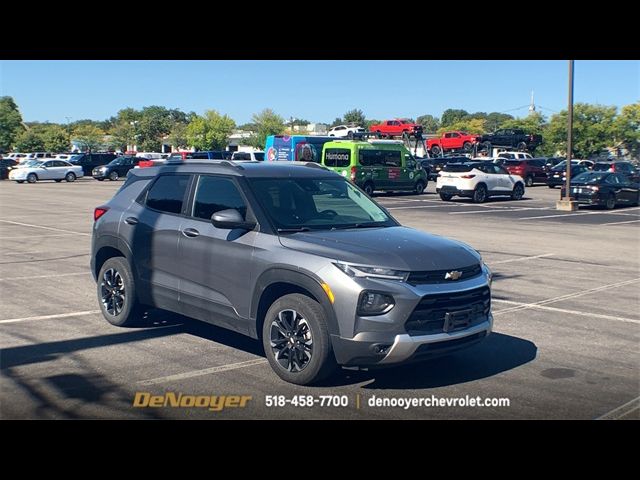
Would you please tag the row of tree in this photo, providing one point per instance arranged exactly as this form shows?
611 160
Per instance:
595 127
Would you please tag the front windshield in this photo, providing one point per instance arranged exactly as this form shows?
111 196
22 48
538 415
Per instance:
317 204
589 177
74 158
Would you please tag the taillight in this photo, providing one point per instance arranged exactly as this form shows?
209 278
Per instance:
353 174
467 176
98 212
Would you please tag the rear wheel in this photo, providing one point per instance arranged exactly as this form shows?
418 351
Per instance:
610 203
528 181
296 340
20 181
32 178
467 146
435 150
58 180
522 147
552 186
518 192
420 186
117 293
368 188
480 194
446 197
100 179
70 177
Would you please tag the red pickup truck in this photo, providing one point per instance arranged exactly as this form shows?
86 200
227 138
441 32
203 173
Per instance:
452 141
396 128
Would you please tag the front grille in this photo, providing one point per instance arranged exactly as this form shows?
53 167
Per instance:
428 317
437 276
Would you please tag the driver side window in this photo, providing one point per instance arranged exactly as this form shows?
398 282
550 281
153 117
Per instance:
214 194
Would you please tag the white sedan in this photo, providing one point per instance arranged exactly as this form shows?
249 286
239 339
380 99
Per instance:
344 131
57 170
479 181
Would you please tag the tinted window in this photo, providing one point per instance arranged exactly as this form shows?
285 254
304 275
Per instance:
337 157
214 194
512 163
601 167
167 193
458 167
613 179
241 156
392 158
200 155
259 156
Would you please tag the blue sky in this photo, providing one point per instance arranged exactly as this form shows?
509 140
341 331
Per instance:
314 90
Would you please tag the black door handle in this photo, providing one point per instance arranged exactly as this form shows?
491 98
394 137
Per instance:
131 220
190 232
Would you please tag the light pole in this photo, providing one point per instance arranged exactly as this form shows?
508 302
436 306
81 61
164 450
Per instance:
566 202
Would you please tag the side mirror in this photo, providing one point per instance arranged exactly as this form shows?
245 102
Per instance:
230 219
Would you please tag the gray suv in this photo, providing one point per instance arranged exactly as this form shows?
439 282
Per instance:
289 253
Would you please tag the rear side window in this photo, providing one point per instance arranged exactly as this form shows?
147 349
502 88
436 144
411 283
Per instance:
601 167
167 193
380 158
259 156
337 157
200 156
512 163
215 194
458 167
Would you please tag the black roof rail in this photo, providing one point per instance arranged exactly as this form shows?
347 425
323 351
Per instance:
204 161
314 165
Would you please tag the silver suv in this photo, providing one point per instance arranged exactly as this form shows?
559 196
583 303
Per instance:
289 253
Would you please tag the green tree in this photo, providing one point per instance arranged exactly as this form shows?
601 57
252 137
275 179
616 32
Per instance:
89 137
370 122
469 125
429 123
29 141
534 123
627 129
123 134
496 119
10 123
593 130
178 136
55 138
451 116
154 124
267 123
355 116
210 132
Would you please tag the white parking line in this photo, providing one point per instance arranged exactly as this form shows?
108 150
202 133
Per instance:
622 410
501 210
566 297
579 213
204 371
620 223
423 206
45 228
51 317
45 276
22 237
522 259
570 312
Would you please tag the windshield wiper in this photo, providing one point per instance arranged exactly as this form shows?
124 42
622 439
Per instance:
294 230
357 225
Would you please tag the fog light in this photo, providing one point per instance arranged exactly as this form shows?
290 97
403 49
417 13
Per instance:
374 303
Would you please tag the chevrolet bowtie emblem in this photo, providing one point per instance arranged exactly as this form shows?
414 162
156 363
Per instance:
453 275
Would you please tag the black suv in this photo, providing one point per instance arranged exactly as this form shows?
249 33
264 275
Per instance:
626 168
115 168
210 155
89 161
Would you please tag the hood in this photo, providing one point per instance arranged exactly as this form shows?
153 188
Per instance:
400 248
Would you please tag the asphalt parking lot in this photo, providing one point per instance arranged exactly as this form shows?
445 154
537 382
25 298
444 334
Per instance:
566 343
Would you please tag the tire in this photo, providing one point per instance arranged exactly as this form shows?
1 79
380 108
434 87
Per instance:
70 177
522 147
350 135
518 192
446 197
637 204
123 308
19 181
610 203
113 176
551 186
378 134
436 150
467 147
528 181
486 146
58 180
368 188
420 186
100 179
32 178
297 321
480 194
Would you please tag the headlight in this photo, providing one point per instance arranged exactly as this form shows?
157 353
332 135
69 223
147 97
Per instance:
488 273
372 272
374 303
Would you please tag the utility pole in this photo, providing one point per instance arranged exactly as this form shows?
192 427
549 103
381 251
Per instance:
567 203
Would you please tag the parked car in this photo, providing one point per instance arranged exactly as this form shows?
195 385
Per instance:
604 189
5 167
455 140
478 181
89 161
291 254
379 165
57 170
119 167
210 155
345 131
558 175
36 156
531 170
438 163
515 155
625 168
14 156
512 138
396 128
255 156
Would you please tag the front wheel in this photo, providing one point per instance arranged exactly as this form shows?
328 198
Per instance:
70 177
296 340
466 146
368 189
117 293
19 181
32 178
113 176
518 192
420 186
610 204
435 150
480 194
58 180
551 186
